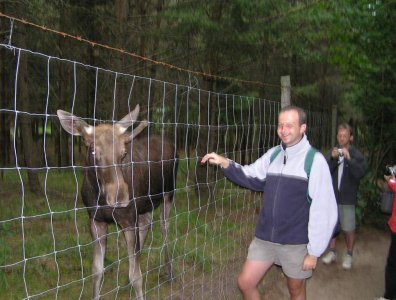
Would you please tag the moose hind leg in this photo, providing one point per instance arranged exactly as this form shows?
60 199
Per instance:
165 212
135 274
99 236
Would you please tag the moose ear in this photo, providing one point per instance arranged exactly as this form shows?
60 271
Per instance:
74 125
137 130
129 119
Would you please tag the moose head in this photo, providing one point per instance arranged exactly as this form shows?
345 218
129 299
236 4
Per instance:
108 150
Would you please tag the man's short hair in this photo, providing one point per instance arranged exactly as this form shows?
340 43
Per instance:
302 116
345 126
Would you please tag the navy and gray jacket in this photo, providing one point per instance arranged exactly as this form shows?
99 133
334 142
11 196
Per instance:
286 217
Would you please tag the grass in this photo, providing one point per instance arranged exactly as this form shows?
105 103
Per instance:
46 248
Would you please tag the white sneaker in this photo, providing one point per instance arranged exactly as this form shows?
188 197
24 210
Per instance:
329 257
380 298
347 262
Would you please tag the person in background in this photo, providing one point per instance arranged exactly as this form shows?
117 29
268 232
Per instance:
347 166
290 232
390 268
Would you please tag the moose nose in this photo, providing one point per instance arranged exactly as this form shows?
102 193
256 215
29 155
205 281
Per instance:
117 194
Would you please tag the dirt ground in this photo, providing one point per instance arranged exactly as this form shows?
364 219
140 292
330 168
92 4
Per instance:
364 281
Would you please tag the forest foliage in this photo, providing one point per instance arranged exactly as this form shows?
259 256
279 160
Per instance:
337 53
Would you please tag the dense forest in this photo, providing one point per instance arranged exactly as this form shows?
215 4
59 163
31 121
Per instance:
338 54
208 75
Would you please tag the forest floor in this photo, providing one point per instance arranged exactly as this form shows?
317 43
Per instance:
365 281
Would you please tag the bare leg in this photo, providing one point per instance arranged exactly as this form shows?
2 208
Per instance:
165 212
99 236
296 288
333 243
349 240
135 274
250 276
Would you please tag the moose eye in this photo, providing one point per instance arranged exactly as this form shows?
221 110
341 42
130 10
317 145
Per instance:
91 151
93 154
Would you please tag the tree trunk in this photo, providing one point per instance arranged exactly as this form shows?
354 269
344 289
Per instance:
208 109
62 138
28 146
203 174
5 139
156 40
121 12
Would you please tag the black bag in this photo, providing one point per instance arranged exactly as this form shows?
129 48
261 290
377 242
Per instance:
387 202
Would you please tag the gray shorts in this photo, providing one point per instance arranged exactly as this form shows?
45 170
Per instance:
346 214
289 257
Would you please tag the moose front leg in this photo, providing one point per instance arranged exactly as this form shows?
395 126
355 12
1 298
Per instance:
99 236
165 212
145 223
135 274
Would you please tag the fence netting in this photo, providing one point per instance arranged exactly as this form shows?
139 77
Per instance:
45 242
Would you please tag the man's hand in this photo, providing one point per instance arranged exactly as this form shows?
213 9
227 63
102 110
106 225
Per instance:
215 159
345 151
309 262
334 153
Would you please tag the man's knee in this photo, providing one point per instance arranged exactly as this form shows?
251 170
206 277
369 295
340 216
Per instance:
244 283
296 287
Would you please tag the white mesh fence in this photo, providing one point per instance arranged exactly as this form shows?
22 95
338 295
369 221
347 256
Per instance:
45 241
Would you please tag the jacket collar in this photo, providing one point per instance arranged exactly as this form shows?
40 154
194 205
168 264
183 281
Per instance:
297 148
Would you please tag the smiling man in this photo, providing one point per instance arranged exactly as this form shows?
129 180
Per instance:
298 214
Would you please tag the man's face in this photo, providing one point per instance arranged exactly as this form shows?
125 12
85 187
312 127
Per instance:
289 129
343 137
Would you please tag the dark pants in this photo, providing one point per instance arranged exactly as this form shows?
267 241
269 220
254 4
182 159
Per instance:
390 271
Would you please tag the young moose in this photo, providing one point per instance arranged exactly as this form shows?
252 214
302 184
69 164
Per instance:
125 181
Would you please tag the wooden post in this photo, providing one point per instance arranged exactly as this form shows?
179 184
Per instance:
285 91
333 125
